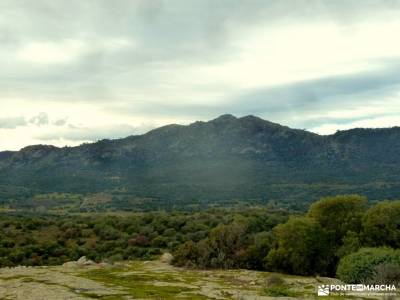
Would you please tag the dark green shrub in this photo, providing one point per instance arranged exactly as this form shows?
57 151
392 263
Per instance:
258 250
360 267
116 258
186 254
386 273
280 291
274 280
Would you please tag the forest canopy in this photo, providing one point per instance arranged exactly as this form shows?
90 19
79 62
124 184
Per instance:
329 240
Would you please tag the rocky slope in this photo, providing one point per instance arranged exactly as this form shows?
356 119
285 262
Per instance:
150 280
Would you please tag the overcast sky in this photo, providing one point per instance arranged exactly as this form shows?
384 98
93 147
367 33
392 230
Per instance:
78 71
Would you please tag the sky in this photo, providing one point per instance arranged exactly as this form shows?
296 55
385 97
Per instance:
79 71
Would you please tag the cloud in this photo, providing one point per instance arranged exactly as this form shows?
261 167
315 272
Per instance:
83 134
12 123
307 103
323 96
384 121
60 122
50 52
40 119
118 52
303 63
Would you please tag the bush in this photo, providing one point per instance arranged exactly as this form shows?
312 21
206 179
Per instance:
361 266
186 254
115 258
387 273
223 248
274 280
277 287
279 291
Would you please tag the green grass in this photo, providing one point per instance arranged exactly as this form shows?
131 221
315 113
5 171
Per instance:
15 277
149 280
280 291
143 285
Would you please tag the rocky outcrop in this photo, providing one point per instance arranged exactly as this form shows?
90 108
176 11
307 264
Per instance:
166 258
83 261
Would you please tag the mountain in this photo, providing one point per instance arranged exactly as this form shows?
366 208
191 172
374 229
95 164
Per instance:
226 160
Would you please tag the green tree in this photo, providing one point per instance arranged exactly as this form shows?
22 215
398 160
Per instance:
259 249
339 214
351 243
302 248
382 224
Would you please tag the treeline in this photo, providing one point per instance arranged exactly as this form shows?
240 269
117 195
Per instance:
338 236
33 239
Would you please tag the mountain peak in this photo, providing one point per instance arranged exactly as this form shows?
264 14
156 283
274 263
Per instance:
224 118
39 147
251 117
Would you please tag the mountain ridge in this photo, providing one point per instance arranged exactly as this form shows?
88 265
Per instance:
223 160
221 118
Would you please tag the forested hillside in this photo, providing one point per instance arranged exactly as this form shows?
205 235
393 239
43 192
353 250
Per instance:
222 162
339 236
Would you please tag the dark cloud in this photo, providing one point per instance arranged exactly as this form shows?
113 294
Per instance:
136 58
302 98
161 32
321 95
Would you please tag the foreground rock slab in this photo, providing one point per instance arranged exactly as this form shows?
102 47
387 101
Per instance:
149 280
